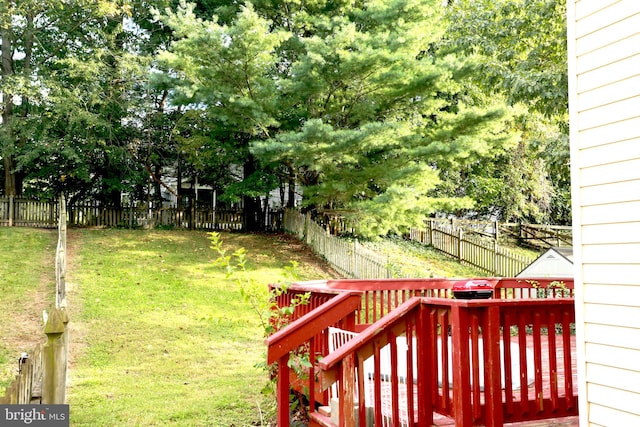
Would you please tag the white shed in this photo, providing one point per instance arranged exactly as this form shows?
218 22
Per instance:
555 262
604 98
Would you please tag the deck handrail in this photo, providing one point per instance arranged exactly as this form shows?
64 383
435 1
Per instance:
381 296
362 342
469 321
340 310
341 366
312 324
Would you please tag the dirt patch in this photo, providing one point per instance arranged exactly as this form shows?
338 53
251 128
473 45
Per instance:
305 256
27 327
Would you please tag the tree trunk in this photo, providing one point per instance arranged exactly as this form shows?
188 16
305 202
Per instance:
253 215
10 188
291 196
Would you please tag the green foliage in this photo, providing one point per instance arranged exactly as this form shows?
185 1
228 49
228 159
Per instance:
518 48
223 75
80 73
387 110
555 289
271 316
378 113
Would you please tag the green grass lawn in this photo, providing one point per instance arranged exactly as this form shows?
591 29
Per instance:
161 336
27 286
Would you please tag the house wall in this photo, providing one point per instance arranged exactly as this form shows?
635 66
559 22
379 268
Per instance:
604 88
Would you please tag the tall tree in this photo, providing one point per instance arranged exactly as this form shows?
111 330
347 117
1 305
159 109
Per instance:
519 48
379 111
84 95
43 42
226 71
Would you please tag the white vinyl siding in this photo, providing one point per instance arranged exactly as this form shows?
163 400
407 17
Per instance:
607 94
614 336
609 173
615 132
620 377
613 234
612 72
604 155
623 254
604 63
626 191
613 315
607 417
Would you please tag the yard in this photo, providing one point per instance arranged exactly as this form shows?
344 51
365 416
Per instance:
159 335
27 282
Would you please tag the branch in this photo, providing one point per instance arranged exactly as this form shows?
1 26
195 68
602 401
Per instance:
153 176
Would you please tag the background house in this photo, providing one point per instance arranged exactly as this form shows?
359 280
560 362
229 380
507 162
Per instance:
604 89
554 262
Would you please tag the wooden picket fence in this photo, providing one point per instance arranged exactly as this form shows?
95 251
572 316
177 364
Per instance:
537 236
17 212
27 386
346 256
532 235
354 261
42 375
471 249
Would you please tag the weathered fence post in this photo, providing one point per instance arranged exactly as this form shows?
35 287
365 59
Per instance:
130 214
10 211
61 254
496 269
430 242
356 273
55 360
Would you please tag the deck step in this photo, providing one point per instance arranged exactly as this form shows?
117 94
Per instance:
316 419
325 411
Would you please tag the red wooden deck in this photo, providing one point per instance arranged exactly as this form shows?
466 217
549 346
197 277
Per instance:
541 354
443 420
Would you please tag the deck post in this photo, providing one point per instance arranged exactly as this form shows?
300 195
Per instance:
283 391
347 413
425 364
492 380
462 410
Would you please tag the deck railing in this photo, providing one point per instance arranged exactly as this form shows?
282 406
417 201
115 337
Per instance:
529 358
480 362
381 296
308 332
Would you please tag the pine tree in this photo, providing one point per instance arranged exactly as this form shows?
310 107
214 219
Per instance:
379 112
